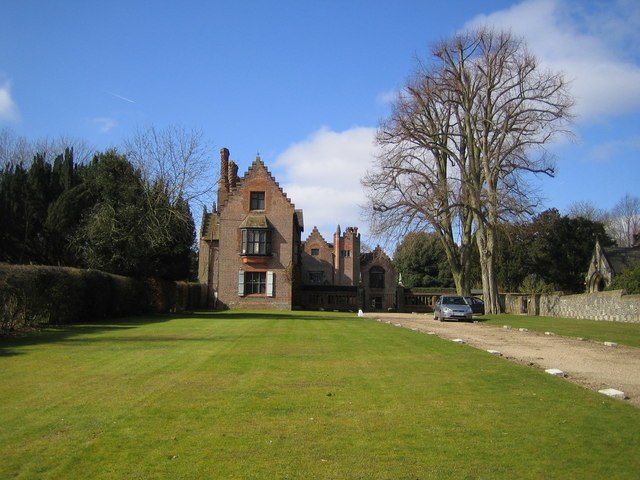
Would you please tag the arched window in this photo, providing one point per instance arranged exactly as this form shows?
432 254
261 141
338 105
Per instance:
376 277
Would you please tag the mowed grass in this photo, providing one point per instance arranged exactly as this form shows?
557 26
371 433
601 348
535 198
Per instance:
600 331
293 395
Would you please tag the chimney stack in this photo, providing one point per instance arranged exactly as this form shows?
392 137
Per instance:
233 174
223 184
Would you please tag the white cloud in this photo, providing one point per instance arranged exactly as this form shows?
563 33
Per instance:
566 37
615 148
385 98
322 176
105 124
8 108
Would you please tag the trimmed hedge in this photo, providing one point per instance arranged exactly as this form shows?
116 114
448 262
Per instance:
32 295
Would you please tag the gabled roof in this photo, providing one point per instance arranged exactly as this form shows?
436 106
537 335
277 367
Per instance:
255 167
210 228
377 254
621 258
317 236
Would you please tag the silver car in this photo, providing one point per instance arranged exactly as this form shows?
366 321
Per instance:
452 308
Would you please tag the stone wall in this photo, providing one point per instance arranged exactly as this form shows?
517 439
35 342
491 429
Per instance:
612 306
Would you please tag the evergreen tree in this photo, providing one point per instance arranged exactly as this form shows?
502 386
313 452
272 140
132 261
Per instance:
422 261
553 250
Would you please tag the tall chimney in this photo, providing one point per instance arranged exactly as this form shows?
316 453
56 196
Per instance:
233 174
223 183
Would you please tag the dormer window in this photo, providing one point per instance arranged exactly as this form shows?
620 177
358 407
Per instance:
256 201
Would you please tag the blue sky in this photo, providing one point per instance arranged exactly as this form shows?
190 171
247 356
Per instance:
305 83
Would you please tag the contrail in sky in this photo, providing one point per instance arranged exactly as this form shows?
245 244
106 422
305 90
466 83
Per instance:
120 97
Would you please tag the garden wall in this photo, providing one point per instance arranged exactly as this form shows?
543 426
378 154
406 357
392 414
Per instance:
612 306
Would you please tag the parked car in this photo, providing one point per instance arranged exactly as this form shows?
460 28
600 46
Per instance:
452 308
477 305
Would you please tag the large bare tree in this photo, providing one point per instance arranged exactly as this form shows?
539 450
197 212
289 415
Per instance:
177 158
488 111
16 149
416 184
588 210
624 221
176 164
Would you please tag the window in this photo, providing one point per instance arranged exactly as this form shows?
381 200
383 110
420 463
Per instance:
345 253
255 283
256 242
315 252
316 278
257 201
376 303
376 277
315 299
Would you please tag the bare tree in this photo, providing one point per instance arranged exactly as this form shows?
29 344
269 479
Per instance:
624 222
176 158
587 210
51 148
176 164
15 149
509 110
484 116
416 185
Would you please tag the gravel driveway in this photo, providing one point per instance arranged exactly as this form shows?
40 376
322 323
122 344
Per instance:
590 364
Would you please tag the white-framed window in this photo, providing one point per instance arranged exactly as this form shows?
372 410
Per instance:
256 283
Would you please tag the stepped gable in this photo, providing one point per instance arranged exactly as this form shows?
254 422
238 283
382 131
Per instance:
378 253
316 235
204 224
209 228
258 164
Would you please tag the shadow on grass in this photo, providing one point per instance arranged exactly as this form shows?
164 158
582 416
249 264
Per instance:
277 315
9 345
59 333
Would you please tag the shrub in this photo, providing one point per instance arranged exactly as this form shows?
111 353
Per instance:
533 283
629 280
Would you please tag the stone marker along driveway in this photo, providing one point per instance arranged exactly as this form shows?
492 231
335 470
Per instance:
587 363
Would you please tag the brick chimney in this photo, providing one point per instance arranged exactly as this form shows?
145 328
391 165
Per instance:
233 174
223 183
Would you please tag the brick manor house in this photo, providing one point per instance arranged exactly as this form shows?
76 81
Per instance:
252 254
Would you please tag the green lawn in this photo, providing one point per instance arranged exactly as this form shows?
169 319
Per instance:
293 395
601 331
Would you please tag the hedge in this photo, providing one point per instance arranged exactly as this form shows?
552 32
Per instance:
32 295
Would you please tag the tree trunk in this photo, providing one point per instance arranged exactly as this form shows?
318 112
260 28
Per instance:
486 241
